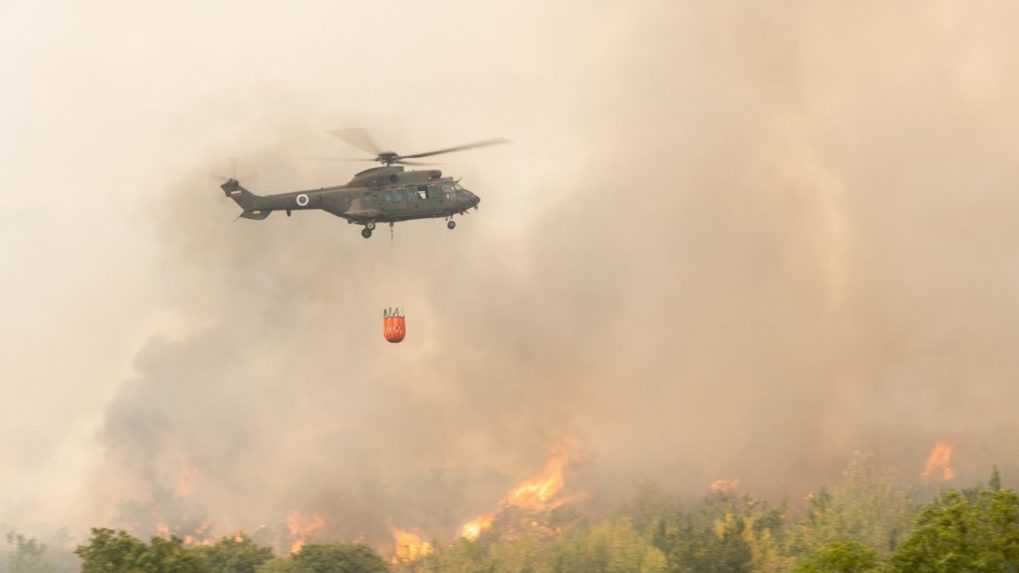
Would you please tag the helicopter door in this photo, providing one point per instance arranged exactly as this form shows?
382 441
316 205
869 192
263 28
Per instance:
436 197
393 200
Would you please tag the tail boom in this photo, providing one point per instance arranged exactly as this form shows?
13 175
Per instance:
248 201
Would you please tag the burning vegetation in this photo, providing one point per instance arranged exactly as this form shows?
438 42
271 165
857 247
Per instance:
532 509
879 520
525 508
940 458
521 507
409 546
722 485
473 528
301 529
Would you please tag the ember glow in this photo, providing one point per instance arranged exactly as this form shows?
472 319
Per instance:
724 485
939 458
409 546
301 529
202 535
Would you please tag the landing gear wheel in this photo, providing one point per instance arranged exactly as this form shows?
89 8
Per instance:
370 227
366 233
450 225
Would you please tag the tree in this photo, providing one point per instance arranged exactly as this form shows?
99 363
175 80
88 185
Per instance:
866 506
840 557
649 509
27 556
279 565
727 533
995 481
608 547
974 533
231 555
462 556
111 551
339 558
522 555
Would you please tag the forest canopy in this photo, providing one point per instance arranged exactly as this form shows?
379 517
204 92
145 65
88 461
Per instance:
866 523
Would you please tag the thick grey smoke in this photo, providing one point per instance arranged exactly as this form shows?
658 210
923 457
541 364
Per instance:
727 243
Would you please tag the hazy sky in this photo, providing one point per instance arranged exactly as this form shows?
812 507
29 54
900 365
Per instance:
728 241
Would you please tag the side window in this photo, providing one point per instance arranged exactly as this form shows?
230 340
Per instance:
422 191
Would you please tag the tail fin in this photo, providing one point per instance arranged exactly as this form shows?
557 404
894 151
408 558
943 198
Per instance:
246 199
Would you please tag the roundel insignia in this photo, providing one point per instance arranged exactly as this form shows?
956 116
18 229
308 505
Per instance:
302 200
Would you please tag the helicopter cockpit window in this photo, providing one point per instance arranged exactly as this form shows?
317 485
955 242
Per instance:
422 191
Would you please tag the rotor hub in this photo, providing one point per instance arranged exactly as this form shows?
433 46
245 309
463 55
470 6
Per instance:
388 157
360 139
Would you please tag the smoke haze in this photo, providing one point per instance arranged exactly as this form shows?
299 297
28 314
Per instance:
728 242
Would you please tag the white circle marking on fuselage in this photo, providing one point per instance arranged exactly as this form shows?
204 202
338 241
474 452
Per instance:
302 200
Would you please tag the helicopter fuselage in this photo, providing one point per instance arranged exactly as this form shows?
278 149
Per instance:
378 195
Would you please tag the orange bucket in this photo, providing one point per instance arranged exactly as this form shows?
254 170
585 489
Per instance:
394 327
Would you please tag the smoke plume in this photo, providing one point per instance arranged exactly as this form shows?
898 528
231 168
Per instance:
728 243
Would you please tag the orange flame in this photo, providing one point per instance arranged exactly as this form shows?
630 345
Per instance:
724 485
300 529
939 458
409 546
191 540
473 528
535 493
201 536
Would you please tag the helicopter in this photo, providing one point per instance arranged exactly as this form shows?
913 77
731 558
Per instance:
386 194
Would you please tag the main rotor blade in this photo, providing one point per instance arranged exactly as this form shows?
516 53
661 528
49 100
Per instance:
341 158
485 143
359 138
415 163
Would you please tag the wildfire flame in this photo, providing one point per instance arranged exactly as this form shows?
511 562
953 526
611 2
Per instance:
409 546
300 529
939 458
201 535
473 528
724 485
537 493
